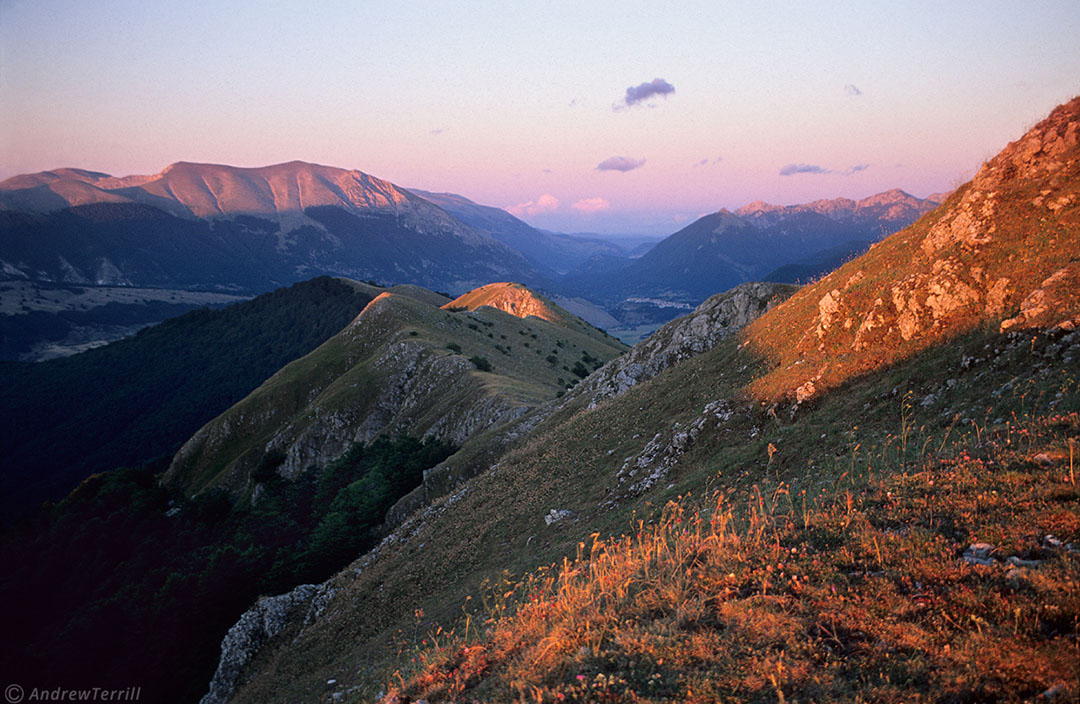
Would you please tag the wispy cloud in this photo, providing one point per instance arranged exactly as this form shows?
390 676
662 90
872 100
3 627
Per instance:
793 169
851 91
438 130
707 161
657 87
620 163
591 205
546 203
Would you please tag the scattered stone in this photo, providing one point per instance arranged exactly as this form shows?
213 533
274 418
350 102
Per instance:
555 515
1043 460
1058 692
1017 562
979 554
1051 541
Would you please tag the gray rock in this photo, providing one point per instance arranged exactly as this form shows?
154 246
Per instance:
259 624
712 321
555 515
979 554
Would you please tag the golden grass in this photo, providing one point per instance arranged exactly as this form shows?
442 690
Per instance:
855 593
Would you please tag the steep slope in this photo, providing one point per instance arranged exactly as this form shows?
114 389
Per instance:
1006 239
893 539
135 400
218 226
551 252
403 366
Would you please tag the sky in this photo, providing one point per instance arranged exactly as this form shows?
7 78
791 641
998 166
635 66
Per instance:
608 117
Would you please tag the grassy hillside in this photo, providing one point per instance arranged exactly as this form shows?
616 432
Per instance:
403 366
903 528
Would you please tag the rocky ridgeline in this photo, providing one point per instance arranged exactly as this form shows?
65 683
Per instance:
712 321
987 251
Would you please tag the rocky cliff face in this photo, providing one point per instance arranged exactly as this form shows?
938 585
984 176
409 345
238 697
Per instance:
999 248
716 318
259 624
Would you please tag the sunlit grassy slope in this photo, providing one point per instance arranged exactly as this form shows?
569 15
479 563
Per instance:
402 366
835 572
815 549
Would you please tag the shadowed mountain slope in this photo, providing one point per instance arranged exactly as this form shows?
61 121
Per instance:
724 249
551 252
137 399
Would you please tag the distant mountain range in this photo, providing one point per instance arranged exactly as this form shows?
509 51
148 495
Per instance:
756 242
224 227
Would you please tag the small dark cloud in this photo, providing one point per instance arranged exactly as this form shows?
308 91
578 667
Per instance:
644 91
792 169
851 91
620 163
706 161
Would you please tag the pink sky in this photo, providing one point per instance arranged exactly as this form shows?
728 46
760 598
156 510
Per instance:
512 106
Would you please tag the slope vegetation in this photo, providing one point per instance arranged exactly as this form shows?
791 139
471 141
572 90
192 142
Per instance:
908 531
403 366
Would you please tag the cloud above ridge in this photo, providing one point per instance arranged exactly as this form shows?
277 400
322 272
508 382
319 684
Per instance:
546 203
620 163
814 169
656 88
591 205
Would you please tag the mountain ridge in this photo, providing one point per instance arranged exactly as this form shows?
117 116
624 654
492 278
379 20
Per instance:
835 478
218 226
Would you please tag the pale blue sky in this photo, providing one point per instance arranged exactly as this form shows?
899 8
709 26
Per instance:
508 102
